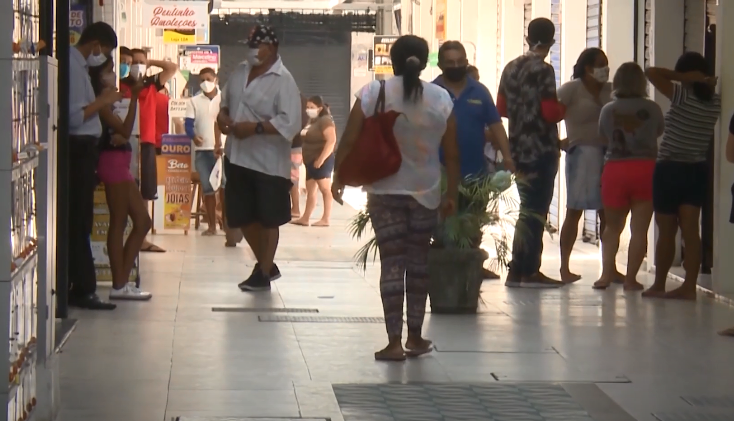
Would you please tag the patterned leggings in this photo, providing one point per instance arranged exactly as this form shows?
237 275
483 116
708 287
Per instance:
403 229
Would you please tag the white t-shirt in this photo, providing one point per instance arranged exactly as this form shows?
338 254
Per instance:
204 111
419 131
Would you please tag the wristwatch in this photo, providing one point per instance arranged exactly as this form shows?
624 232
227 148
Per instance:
259 128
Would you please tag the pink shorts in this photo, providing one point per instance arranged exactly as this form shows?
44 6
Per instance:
114 167
625 181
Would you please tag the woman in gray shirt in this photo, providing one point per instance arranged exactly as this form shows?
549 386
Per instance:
630 126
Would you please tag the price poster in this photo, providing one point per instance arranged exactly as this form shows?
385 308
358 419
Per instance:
382 64
100 226
77 22
176 152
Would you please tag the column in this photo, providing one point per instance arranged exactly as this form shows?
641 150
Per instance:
724 171
618 32
513 29
485 22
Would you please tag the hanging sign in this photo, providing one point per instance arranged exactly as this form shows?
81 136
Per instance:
441 10
177 107
176 152
175 14
195 58
382 63
77 22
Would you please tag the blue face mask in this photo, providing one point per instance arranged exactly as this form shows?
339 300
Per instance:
124 70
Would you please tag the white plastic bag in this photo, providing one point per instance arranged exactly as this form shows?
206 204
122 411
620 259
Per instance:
215 178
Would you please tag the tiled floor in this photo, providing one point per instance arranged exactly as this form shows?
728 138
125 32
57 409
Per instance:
174 356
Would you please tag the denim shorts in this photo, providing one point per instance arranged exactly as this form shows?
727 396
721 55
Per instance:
204 162
584 166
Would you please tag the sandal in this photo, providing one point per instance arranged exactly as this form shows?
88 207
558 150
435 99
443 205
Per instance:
152 248
416 352
389 356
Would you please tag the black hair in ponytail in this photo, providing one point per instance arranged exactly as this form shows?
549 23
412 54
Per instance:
586 58
409 55
695 62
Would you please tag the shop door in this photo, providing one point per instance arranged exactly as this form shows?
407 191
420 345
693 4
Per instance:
593 40
555 61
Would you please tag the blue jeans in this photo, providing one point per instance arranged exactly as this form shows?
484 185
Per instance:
204 162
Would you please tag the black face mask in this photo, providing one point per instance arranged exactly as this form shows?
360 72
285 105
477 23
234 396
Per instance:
455 74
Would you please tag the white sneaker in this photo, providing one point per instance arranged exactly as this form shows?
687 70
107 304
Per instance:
130 292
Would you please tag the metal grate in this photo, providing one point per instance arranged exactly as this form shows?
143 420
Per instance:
319 319
234 309
710 401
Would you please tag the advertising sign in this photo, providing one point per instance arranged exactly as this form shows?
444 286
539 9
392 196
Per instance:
441 9
176 152
175 14
77 22
100 225
186 36
382 64
177 107
195 58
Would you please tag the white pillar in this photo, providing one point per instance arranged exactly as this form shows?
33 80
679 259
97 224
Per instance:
485 22
513 32
724 171
618 32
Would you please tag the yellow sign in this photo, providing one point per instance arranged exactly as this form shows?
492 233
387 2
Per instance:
98 238
441 10
186 36
381 62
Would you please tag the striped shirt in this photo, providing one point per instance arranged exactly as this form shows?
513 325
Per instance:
689 127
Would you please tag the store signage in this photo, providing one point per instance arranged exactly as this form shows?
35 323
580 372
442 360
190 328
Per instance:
441 11
186 36
177 107
77 22
381 61
195 58
176 151
175 14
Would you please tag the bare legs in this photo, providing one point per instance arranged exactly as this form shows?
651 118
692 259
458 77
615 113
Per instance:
123 200
687 219
210 205
312 186
616 219
639 224
569 234
295 200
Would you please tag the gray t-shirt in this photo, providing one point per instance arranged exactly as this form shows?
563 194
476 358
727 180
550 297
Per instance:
582 112
631 127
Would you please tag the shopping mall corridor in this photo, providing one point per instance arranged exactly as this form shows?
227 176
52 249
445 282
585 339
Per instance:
203 350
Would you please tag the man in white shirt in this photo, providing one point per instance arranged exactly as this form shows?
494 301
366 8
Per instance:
201 127
260 114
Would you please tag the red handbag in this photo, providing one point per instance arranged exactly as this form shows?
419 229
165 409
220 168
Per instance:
376 154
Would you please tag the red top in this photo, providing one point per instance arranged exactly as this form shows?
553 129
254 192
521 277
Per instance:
161 118
147 106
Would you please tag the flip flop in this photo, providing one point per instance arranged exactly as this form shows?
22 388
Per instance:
385 356
152 248
600 286
412 353
320 225
299 223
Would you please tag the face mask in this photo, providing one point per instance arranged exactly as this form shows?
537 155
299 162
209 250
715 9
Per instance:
124 70
95 60
601 74
312 112
454 74
138 70
252 57
207 86
109 79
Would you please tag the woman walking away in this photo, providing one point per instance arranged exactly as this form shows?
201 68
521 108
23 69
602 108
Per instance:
318 157
630 127
122 193
403 207
681 173
584 97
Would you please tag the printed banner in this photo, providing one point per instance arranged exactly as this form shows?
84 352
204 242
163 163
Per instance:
176 152
186 36
175 14
381 61
77 22
100 226
195 58
441 10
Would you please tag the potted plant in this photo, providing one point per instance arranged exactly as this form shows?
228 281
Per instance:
455 258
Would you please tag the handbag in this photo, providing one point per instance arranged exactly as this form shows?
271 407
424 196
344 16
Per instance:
376 154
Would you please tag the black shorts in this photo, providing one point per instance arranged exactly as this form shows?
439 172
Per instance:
148 172
324 171
253 197
678 183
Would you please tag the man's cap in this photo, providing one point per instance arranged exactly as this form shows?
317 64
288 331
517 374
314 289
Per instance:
262 34
541 31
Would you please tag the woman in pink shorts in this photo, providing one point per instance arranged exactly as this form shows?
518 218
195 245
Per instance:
630 126
121 190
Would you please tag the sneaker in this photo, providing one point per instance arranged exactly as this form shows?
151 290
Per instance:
274 272
130 292
539 281
256 282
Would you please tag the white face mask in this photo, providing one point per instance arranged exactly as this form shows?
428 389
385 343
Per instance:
601 74
207 86
252 58
312 112
95 60
138 70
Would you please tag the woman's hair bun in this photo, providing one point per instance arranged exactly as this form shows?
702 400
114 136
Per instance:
413 60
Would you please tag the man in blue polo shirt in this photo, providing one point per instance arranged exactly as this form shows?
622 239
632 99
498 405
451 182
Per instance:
477 121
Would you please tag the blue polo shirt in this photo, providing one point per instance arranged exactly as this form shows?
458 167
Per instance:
474 111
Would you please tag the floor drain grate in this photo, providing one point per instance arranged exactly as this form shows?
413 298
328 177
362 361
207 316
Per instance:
319 319
694 416
235 309
710 401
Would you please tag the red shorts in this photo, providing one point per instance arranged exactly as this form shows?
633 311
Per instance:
625 181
